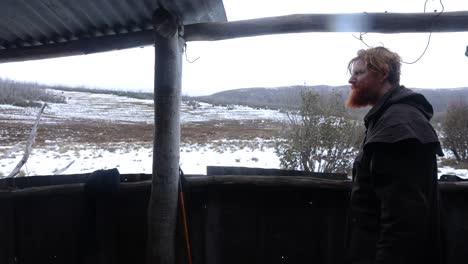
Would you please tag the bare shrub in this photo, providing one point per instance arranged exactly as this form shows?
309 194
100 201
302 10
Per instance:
26 94
321 137
193 104
129 94
455 129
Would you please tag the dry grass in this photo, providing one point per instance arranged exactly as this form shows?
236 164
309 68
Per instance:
101 133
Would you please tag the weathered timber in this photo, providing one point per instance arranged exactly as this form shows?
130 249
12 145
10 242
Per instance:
62 170
7 231
30 142
229 222
223 170
299 23
267 181
162 209
198 182
361 22
34 181
68 189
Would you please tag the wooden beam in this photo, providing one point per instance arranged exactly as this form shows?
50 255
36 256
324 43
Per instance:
356 22
360 22
162 209
200 182
266 181
297 182
203 181
68 189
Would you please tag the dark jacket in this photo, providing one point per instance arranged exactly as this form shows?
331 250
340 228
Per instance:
394 204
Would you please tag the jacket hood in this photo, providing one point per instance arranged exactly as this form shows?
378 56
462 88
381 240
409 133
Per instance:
398 95
399 115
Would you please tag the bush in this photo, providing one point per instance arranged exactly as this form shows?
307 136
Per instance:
455 129
321 137
129 94
26 94
193 104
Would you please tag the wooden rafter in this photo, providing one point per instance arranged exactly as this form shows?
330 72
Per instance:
362 22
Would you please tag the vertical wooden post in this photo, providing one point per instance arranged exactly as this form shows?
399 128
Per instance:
162 212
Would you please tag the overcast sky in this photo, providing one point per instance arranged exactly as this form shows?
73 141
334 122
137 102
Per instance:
269 61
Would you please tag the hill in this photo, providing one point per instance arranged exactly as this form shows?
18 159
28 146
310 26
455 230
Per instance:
289 97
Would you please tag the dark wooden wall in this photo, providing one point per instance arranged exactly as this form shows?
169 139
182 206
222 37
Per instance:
266 220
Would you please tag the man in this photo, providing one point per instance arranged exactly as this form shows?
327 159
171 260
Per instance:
394 204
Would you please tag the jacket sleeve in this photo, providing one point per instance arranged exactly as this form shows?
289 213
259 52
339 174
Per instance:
401 174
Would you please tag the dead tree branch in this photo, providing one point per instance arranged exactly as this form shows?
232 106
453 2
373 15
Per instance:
57 172
31 140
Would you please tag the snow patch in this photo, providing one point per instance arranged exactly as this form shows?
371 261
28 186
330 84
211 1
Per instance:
88 158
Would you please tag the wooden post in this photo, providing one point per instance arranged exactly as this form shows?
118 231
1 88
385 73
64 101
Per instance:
162 214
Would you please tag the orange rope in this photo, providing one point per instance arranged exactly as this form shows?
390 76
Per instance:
184 221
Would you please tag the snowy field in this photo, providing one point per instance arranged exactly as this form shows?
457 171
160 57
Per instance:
98 131
133 155
83 159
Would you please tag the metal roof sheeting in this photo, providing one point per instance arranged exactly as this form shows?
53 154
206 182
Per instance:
26 23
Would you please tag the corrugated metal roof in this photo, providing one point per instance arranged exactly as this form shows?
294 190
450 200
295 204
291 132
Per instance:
26 23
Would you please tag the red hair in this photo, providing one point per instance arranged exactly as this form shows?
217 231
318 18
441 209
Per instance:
382 60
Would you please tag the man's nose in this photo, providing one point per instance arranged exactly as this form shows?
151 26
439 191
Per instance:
352 80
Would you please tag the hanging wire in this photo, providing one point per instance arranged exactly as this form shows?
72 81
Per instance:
423 53
186 56
360 38
430 33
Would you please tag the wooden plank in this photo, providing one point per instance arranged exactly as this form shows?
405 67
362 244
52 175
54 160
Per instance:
7 231
47 180
299 23
222 170
267 181
201 181
212 228
67 189
162 210
48 229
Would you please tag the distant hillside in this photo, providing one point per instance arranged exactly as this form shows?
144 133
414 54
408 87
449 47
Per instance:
276 98
288 97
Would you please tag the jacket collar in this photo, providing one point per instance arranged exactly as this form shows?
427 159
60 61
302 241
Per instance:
380 106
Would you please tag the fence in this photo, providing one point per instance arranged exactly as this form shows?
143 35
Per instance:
101 218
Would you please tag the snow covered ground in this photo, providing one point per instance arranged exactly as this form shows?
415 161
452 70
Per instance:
131 156
137 159
462 173
119 109
123 109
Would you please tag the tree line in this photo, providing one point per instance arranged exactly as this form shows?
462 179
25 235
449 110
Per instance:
25 94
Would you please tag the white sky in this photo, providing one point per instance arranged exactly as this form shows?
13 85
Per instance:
269 61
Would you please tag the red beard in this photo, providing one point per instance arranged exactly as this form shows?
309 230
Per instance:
361 96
